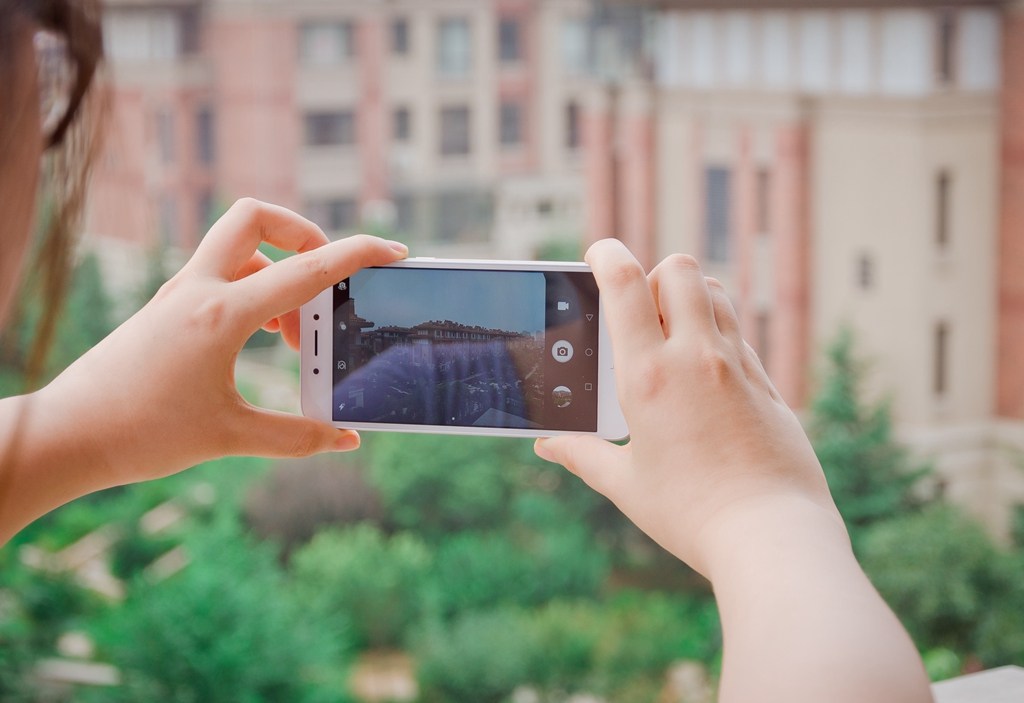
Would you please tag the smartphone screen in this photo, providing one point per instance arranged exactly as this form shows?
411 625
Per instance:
471 348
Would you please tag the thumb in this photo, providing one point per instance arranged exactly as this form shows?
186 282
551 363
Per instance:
598 462
269 433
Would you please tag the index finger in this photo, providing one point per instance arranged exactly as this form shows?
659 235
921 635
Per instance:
626 298
293 282
233 239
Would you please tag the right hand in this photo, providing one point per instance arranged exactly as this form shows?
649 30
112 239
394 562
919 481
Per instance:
710 437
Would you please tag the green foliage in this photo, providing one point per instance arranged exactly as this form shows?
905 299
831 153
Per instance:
942 663
607 649
435 484
559 250
868 473
85 320
483 569
366 579
225 628
949 584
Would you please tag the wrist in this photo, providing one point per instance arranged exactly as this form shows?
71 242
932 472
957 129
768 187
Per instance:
780 530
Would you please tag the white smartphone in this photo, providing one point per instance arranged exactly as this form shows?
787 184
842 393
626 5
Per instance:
500 348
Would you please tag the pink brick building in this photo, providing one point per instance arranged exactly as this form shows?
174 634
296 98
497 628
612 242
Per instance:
838 162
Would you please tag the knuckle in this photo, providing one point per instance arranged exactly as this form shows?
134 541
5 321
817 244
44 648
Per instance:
307 443
717 365
681 262
314 263
624 274
648 382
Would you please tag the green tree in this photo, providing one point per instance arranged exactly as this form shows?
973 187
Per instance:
360 576
951 586
869 474
224 628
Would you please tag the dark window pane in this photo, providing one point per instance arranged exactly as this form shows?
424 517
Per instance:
330 128
865 271
940 380
455 131
509 40
764 195
717 207
405 214
334 215
400 36
511 127
401 124
572 125
190 31
947 47
942 195
205 136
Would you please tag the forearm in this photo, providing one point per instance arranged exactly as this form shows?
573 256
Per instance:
46 460
801 621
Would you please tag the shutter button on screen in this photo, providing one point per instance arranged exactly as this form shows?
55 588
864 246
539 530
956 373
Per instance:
562 351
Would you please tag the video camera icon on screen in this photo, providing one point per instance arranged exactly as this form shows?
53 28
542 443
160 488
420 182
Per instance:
563 305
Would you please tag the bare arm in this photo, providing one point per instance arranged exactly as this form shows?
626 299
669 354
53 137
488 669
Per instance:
719 471
158 395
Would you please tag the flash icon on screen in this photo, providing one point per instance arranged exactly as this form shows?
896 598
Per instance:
562 305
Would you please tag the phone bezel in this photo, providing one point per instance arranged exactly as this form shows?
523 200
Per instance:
315 389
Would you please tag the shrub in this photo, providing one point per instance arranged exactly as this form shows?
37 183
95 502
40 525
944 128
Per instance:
373 582
947 581
223 629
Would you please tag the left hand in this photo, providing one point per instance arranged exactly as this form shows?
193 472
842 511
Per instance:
158 395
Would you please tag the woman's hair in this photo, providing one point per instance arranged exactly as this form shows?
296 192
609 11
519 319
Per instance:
72 147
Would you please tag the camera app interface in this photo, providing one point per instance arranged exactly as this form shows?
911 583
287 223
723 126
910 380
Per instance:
514 349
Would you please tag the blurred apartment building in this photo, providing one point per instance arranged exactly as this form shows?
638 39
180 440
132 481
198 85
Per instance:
838 162
831 161
453 123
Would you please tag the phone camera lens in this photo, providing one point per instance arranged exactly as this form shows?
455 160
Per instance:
316 371
316 317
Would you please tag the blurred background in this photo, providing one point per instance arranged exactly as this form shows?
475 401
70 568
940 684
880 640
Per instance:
853 172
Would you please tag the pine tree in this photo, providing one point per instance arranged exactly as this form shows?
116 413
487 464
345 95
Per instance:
871 477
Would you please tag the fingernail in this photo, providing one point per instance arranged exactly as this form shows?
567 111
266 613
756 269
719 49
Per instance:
347 442
398 246
543 452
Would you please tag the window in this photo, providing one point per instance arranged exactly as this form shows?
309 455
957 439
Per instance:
453 47
940 381
400 36
717 208
455 131
405 213
762 337
334 214
510 48
865 271
572 125
330 128
168 220
945 68
943 183
401 124
511 127
574 46
204 213
165 135
190 31
205 136
764 199
326 44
